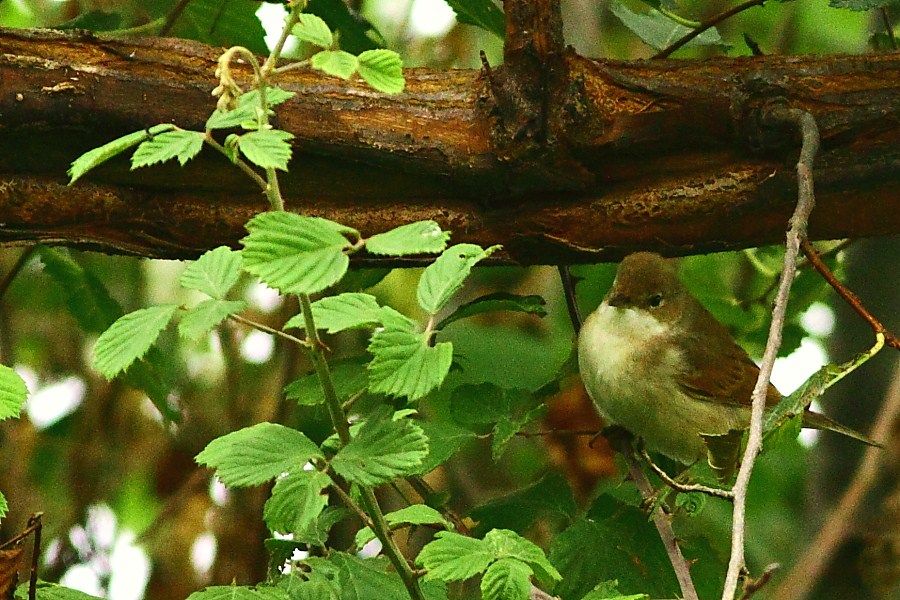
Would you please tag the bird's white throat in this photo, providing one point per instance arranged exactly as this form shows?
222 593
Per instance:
618 341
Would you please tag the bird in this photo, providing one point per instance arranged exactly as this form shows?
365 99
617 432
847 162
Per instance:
658 364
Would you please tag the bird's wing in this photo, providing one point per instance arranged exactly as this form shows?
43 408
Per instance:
718 370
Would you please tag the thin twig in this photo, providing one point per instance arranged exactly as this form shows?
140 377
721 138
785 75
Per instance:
270 330
35 521
19 536
849 297
707 24
240 163
806 571
663 525
796 233
754 585
686 487
349 503
18 266
172 17
426 491
888 26
568 284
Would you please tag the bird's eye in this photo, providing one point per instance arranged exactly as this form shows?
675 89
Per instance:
655 300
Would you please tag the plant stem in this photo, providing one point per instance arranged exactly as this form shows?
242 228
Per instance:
269 330
707 24
339 420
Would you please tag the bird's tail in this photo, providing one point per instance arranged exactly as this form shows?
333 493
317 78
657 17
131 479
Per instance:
814 420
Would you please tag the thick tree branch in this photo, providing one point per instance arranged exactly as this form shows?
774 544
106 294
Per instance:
604 158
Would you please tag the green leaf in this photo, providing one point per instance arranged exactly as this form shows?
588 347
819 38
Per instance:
454 557
860 5
247 105
658 31
498 301
214 273
506 579
383 70
609 590
129 338
267 148
52 591
507 428
316 534
421 237
296 500
93 20
444 440
256 454
474 406
445 276
382 450
336 63
405 365
313 29
481 13
95 310
550 499
351 310
370 579
180 144
232 23
349 377
509 544
415 514
13 393
235 592
355 32
295 254
4 507
197 322
97 156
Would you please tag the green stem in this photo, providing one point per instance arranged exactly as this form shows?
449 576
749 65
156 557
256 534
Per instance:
151 27
339 420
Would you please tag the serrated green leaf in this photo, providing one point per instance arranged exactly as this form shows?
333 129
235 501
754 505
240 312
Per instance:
295 254
658 31
498 301
267 148
248 103
351 310
236 592
445 276
383 70
311 28
256 454
454 557
97 156
129 338
52 591
214 273
415 514
509 544
197 322
506 579
349 377
316 534
180 144
481 13
371 579
421 237
296 500
444 440
13 393
405 365
382 450
336 63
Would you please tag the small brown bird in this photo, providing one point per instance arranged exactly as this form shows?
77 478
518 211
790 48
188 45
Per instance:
658 364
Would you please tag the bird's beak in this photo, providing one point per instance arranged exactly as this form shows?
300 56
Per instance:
616 300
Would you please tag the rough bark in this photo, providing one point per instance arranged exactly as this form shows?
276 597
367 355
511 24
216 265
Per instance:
562 159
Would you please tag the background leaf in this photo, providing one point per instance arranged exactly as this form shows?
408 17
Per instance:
497 301
296 500
481 13
658 31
